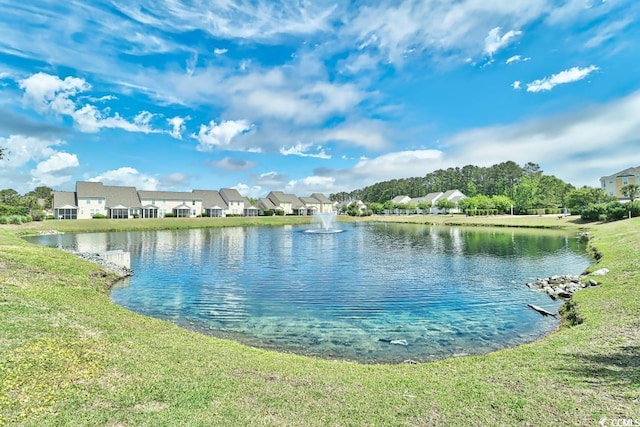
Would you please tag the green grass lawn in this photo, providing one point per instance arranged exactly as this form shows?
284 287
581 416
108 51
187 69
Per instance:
68 356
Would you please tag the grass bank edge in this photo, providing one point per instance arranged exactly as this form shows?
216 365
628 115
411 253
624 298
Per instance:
462 377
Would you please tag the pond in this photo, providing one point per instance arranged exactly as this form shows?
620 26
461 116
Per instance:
373 293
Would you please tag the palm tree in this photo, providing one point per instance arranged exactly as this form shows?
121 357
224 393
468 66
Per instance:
631 191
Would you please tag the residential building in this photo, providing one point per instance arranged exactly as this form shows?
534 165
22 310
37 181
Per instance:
612 185
325 204
91 198
65 205
213 205
265 204
111 201
234 201
180 204
279 200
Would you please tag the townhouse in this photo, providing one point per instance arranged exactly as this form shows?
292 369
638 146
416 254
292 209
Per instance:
96 199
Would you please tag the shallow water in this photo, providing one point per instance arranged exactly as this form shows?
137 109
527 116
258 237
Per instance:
373 293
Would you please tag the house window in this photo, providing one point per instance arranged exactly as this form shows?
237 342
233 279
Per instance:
193 212
153 202
193 202
610 181
100 201
625 181
88 201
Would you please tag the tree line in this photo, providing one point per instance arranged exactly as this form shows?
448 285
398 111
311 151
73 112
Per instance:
502 188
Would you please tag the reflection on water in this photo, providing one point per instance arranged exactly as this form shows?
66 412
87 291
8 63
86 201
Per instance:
443 291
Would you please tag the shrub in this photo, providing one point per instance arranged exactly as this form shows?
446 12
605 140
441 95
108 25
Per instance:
280 212
49 217
594 212
15 219
268 212
4 220
634 208
37 215
169 215
616 211
6 210
99 216
136 216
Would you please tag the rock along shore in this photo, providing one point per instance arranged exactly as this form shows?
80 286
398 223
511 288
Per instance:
120 271
564 286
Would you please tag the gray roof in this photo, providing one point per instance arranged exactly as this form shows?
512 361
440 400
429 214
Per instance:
168 195
309 200
295 202
210 199
231 195
277 197
114 195
267 205
85 189
121 196
64 198
448 194
399 199
321 197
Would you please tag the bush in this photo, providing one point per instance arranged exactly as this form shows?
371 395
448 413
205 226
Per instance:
268 212
4 220
169 215
49 217
16 219
634 208
8 211
616 211
37 215
594 212
99 216
136 216
280 212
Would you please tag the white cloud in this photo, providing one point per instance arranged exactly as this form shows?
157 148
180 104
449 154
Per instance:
177 126
567 76
127 176
558 142
312 184
48 93
23 149
302 150
221 135
56 170
517 58
249 191
494 41
399 164
220 51
516 85
50 167
271 179
175 179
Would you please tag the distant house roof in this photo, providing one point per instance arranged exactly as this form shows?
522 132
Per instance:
121 196
86 189
64 198
296 203
321 197
401 199
231 195
113 195
309 200
167 195
278 197
267 205
211 199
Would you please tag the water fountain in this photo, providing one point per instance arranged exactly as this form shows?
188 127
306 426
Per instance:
324 222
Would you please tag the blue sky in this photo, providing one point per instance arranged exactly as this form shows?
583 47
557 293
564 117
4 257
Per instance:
305 96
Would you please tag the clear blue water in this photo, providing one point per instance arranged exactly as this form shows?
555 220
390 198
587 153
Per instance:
441 291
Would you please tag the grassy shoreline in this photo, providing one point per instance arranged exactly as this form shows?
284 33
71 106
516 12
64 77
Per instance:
68 356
